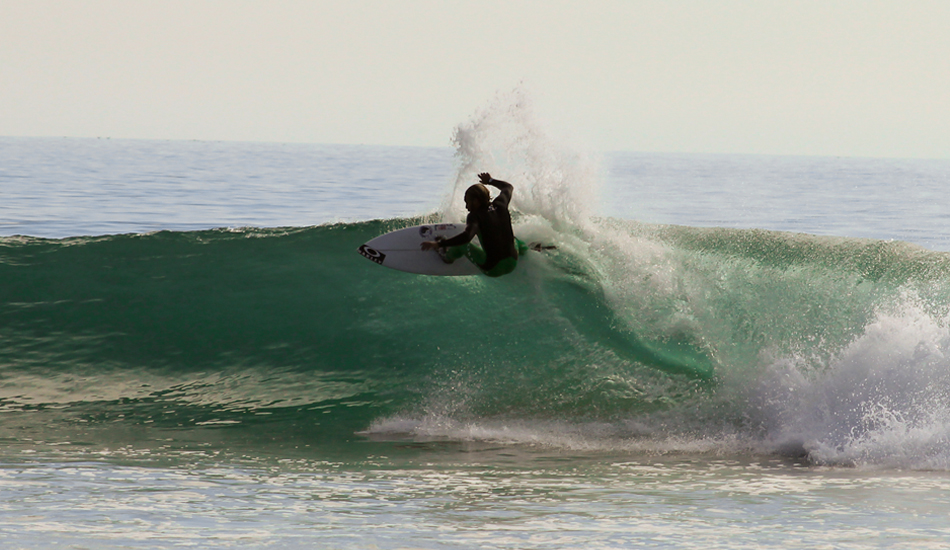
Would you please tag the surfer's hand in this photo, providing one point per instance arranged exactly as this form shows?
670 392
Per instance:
430 245
485 178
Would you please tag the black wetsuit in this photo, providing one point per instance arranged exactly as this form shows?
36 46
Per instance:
492 224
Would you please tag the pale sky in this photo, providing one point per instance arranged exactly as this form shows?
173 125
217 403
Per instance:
850 78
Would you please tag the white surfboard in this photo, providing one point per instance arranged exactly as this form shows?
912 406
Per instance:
402 250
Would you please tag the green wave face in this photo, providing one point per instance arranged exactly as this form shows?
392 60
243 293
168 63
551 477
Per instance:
289 335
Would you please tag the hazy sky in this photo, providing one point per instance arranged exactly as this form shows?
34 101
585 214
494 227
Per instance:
863 78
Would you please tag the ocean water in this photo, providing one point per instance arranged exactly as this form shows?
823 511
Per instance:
722 352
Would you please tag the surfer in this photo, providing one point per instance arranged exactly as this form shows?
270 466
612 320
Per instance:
490 220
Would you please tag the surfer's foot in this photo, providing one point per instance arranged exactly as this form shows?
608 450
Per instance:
443 253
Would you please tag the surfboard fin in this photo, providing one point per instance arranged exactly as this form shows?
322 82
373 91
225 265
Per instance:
538 247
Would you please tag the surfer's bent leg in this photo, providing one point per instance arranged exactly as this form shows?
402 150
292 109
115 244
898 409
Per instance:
478 257
506 265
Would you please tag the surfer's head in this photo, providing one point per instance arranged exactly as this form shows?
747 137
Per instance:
477 196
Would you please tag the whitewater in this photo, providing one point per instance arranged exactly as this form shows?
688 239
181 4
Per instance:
723 350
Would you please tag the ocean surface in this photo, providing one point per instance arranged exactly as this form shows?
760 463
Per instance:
723 351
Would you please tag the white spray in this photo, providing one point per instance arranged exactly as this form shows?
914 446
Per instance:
505 139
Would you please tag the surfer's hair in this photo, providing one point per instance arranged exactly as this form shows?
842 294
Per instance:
478 194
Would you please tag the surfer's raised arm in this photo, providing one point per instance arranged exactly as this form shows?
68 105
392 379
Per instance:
506 188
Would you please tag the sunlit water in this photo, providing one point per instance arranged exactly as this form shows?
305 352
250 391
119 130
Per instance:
461 497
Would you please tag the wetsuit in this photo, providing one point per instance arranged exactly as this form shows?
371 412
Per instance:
499 253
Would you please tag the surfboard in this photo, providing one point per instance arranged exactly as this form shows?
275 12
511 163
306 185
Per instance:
401 250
